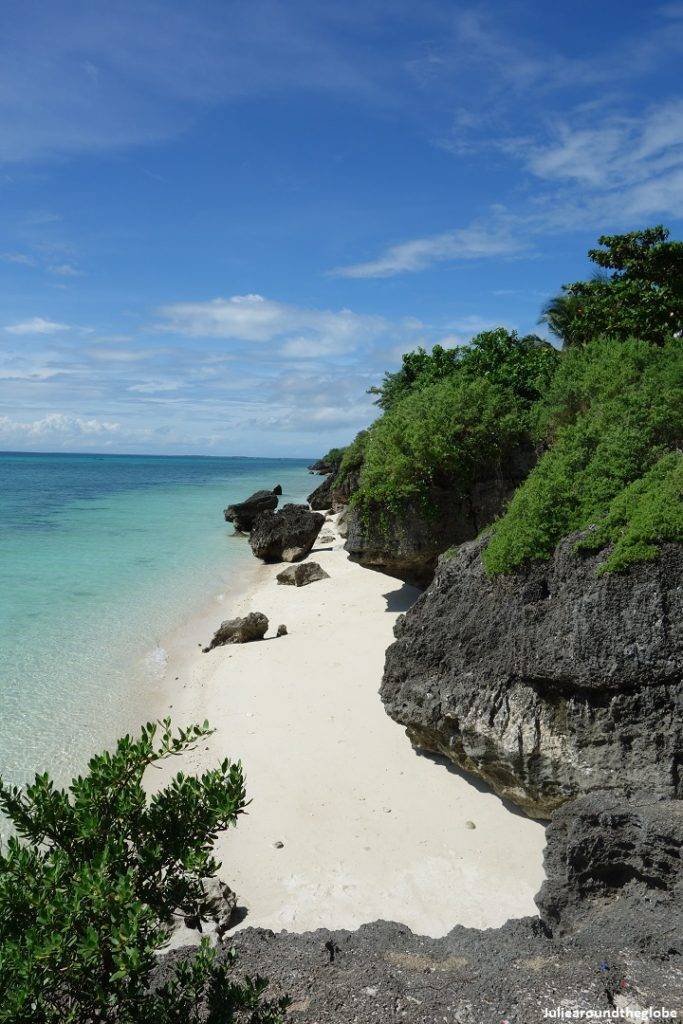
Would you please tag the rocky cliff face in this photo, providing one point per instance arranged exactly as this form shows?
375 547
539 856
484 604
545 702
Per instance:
550 683
407 545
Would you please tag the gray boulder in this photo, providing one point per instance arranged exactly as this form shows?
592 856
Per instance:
243 513
407 545
549 683
287 535
301 574
240 630
613 871
321 498
343 524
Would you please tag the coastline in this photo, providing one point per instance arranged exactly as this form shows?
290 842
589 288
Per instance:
369 829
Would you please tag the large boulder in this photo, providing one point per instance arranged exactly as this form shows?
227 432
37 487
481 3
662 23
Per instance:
407 544
242 630
549 683
613 871
321 498
287 535
301 574
243 513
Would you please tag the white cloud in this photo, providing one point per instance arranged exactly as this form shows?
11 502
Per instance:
152 387
58 425
18 257
253 318
65 270
36 325
470 243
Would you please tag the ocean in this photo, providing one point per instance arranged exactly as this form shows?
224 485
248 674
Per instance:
101 556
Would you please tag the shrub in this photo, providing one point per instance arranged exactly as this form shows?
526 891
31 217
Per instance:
523 365
92 880
642 517
612 411
438 435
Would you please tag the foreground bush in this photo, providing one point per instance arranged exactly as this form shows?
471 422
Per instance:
613 417
93 880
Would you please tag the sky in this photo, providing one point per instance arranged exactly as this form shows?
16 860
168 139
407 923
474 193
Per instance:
222 221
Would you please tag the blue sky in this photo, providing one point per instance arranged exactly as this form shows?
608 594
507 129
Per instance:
221 221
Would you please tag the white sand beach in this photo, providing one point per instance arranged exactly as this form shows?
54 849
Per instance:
370 829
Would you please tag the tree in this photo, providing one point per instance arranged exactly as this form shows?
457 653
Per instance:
93 879
642 297
521 364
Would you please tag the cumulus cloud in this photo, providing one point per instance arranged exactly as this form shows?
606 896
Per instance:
252 318
58 426
36 325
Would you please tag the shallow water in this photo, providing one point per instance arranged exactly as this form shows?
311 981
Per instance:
100 557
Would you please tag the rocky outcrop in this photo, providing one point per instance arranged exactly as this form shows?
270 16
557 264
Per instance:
343 487
343 524
407 544
383 973
301 574
243 513
242 630
287 535
614 869
548 684
321 498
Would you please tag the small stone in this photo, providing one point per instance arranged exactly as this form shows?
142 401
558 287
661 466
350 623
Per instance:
279 845
470 824
281 630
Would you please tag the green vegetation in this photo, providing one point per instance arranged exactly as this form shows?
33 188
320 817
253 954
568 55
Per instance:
353 457
333 459
605 413
612 412
438 435
92 881
446 415
642 298
645 515
521 365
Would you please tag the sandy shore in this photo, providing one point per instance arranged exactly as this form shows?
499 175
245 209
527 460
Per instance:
370 829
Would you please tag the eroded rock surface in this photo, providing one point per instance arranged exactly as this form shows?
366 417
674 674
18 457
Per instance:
321 498
241 630
407 545
384 974
301 574
613 868
550 683
243 513
287 535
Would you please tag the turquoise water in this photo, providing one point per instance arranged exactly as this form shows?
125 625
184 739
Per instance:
100 557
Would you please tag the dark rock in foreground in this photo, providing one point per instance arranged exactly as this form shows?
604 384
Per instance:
550 683
240 630
614 870
384 974
287 535
243 513
321 498
277 489
608 938
407 545
301 574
